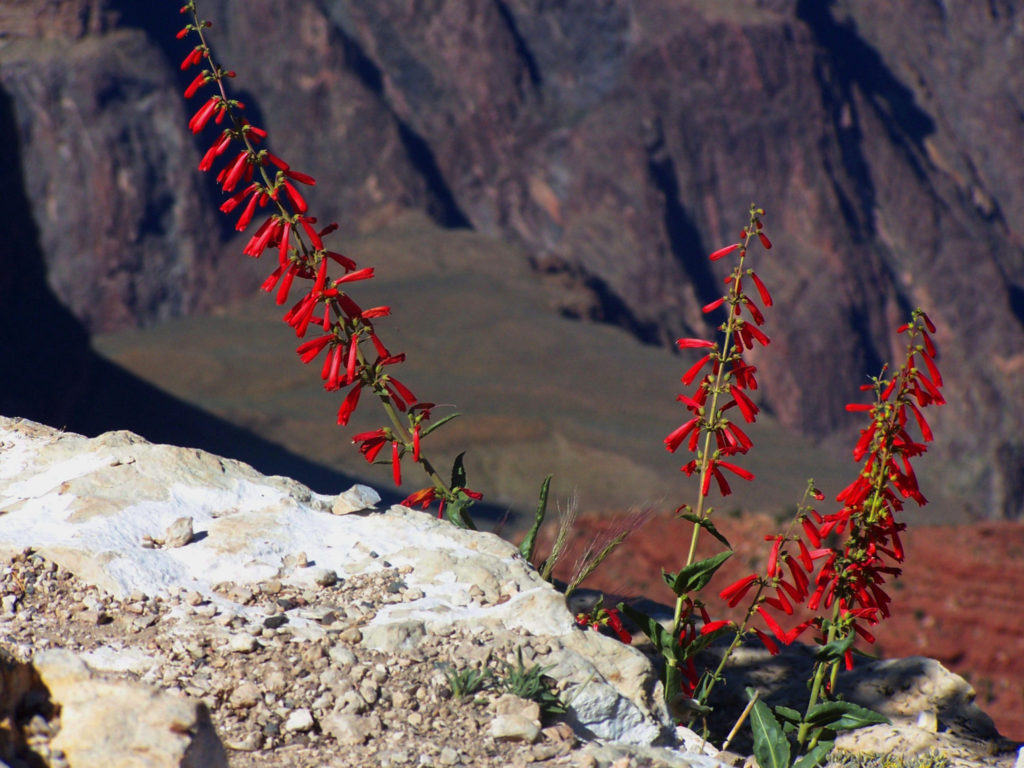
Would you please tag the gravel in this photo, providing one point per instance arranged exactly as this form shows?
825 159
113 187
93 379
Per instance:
283 671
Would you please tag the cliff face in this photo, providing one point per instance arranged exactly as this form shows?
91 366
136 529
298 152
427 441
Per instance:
618 142
123 227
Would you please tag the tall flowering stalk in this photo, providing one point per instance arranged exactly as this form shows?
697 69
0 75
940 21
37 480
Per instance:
354 359
721 380
844 582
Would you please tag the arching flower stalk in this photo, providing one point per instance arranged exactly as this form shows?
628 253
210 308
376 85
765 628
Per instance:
353 358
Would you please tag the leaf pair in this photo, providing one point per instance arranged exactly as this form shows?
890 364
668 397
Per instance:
771 744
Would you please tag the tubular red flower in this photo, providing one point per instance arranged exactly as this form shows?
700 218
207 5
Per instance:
695 344
360 274
216 150
811 531
396 463
692 372
755 313
745 443
346 263
745 404
713 305
780 603
302 178
736 470
764 240
194 57
766 298
314 236
333 381
723 484
310 349
203 114
712 626
738 590
196 84
748 332
348 405
673 441
422 498
400 393
772 568
297 200
263 237
350 360
246 217
723 252
772 624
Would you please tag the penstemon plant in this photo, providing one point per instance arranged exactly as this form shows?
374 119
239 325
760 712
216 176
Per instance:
834 565
354 357
842 581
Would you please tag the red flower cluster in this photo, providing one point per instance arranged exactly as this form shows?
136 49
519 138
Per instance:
601 617
257 179
722 378
729 379
850 577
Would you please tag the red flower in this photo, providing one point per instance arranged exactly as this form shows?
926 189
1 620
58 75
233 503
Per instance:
673 441
203 114
766 297
348 406
422 498
723 252
744 403
396 463
371 443
737 590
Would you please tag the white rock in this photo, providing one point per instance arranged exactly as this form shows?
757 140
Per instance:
358 498
299 720
243 643
514 728
117 723
179 533
245 695
347 729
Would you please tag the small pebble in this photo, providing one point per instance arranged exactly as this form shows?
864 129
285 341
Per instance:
299 721
243 643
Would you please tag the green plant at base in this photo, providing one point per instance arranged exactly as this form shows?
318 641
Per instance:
468 681
530 683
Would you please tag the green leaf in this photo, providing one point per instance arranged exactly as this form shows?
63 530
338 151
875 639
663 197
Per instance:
438 423
789 715
835 650
458 472
457 511
707 525
843 716
660 637
526 548
816 756
695 576
700 642
771 747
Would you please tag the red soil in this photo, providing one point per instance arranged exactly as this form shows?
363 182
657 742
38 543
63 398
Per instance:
955 602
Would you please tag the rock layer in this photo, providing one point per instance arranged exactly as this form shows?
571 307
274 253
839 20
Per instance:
618 145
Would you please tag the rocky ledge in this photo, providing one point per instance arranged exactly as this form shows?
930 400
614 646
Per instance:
162 606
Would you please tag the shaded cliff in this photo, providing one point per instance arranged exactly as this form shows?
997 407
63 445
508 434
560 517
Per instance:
616 144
